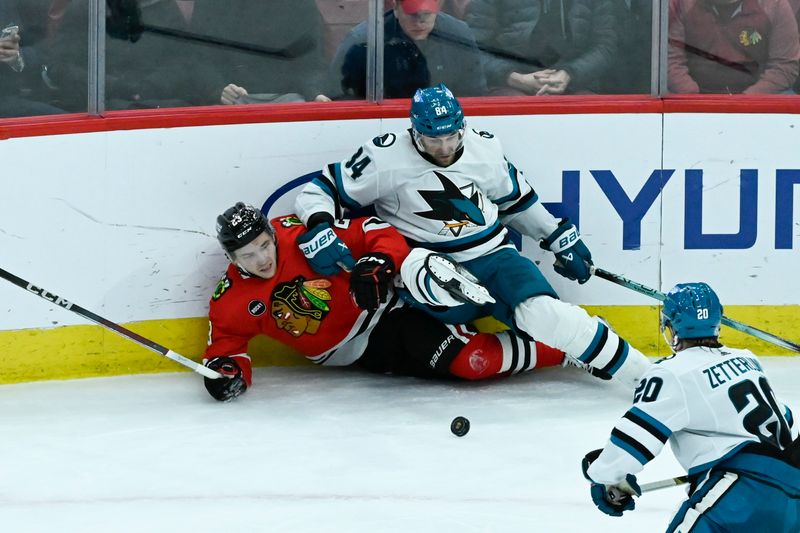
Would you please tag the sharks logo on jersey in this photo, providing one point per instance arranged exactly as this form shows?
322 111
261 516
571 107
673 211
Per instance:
457 207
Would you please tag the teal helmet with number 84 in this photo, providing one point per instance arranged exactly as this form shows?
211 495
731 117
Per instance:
436 112
438 123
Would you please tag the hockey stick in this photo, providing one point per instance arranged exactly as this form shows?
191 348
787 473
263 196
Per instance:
616 494
97 319
664 483
660 296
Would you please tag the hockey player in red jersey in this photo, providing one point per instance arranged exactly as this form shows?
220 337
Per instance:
343 318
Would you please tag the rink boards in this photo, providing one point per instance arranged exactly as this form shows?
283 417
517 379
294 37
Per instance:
122 222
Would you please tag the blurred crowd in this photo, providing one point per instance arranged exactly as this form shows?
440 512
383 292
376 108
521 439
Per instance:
173 53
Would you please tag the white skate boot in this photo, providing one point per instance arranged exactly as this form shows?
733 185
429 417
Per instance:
456 280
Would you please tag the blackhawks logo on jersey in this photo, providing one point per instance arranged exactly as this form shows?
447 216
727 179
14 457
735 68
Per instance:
750 38
291 220
300 305
223 285
456 207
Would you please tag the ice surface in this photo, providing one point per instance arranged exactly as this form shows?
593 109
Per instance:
319 450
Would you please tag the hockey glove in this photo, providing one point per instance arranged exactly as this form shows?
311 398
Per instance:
370 280
613 500
573 258
230 385
324 251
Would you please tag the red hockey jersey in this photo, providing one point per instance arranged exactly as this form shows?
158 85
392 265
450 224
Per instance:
311 313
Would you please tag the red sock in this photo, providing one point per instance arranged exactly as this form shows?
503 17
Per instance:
547 356
480 358
483 356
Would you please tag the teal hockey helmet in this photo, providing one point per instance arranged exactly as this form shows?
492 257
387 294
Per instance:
436 112
692 311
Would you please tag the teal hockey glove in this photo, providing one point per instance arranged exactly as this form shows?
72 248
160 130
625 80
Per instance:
573 258
613 500
324 250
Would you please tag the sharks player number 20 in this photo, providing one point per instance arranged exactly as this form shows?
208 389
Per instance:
715 406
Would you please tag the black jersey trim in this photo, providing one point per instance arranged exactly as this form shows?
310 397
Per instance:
633 443
460 245
647 426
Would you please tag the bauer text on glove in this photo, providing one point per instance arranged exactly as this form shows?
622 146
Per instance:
324 250
573 258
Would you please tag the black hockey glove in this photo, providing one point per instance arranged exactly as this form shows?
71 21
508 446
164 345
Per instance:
573 258
613 500
370 280
230 385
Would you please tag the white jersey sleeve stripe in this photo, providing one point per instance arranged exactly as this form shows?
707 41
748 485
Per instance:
327 190
512 174
325 184
642 437
648 423
521 205
346 200
633 447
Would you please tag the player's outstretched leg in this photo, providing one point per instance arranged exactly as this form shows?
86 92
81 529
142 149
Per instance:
505 353
584 338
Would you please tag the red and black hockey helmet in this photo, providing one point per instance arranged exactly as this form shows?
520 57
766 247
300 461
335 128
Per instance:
239 225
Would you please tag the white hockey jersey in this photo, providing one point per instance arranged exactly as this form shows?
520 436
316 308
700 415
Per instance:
460 209
709 403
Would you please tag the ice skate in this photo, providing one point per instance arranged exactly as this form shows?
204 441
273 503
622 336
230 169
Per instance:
596 372
456 280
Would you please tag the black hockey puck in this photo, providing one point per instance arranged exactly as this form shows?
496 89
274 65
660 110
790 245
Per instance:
459 426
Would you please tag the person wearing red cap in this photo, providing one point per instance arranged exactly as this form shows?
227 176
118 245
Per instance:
417 17
445 44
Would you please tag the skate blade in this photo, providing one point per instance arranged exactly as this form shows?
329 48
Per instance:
449 276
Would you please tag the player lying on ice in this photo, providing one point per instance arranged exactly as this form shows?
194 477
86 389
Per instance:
450 190
725 425
339 318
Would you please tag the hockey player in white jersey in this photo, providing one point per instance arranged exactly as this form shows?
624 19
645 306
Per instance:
725 426
451 193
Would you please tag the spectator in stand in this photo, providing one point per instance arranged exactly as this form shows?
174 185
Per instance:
266 50
540 47
404 70
420 42
732 46
19 81
151 59
631 66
